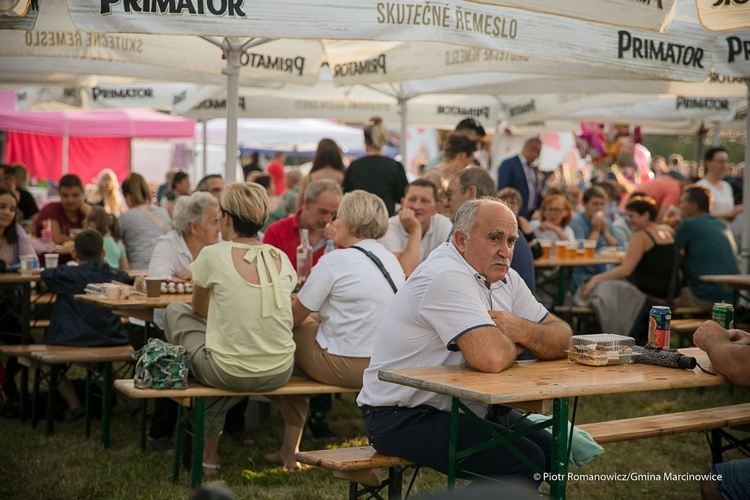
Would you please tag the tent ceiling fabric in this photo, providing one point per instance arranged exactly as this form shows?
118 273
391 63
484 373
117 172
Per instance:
14 8
723 15
646 15
681 53
56 45
98 123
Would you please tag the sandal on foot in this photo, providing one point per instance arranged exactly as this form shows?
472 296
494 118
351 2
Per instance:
211 469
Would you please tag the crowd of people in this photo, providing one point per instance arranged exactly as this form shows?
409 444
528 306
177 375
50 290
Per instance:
456 245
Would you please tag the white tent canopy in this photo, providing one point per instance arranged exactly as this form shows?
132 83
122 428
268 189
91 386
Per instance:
684 52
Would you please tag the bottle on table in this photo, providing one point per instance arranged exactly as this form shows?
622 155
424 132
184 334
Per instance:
304 257
47 231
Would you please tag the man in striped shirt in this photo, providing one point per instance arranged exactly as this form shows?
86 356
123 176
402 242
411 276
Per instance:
464 304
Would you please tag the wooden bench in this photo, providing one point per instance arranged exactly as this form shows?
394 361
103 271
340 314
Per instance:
59 358
194 397
361 466
705 420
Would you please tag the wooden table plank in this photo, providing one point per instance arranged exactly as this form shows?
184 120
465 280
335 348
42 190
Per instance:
733 281
552 263
85 355
135 302
526 381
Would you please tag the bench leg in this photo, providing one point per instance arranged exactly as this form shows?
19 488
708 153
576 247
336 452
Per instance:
54 381
106 402
35 396
178 444
87 403
394 483
144 409
23 396
198 435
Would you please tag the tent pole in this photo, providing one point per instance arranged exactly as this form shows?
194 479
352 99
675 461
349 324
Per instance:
205 149
745 242
65 149
699 143
716 135
402 111
232 70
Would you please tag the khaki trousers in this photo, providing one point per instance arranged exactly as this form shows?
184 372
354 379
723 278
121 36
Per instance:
182 326
318 364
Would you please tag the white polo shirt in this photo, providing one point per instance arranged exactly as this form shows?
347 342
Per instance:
396 238
351 296
443 299
170 256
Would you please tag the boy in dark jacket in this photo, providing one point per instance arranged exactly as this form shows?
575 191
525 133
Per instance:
76 324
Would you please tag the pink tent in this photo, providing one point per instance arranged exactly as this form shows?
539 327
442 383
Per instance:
83 142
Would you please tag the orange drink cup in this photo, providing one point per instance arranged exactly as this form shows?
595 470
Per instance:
589 249
572 250
560 250
546 249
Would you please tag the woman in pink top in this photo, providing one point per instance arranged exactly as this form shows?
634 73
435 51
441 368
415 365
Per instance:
13 243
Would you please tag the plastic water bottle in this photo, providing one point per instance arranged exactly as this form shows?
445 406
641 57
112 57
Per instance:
304 257
330 247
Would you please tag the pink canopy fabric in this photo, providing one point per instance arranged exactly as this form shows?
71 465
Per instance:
132 122
94 139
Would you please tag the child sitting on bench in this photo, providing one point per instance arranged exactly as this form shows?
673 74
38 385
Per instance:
76 324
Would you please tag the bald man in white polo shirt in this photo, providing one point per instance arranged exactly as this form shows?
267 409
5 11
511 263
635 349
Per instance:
463 305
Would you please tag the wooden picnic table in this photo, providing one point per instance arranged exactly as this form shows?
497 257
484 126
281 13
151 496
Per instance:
566 271
533 381
135 306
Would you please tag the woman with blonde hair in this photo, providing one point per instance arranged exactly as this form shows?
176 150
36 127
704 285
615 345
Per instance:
351 290
376 173
238 330
106 193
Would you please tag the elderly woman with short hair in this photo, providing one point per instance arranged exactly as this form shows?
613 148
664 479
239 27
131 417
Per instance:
238 330
196 224
351 290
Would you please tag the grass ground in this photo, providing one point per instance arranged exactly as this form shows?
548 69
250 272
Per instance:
66 465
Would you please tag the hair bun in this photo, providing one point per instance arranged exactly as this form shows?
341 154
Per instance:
376 120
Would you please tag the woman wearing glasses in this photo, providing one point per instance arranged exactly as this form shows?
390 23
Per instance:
715 163
555 219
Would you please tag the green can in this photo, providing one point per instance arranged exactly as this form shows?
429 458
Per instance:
723 314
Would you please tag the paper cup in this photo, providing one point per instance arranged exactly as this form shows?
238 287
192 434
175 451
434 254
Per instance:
51 260
153 287
27 263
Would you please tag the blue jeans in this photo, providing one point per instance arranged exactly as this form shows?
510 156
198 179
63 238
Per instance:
735 478
421 434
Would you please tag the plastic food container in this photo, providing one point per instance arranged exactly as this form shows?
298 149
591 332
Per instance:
601 349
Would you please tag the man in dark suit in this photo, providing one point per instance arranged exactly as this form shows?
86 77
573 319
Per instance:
519 173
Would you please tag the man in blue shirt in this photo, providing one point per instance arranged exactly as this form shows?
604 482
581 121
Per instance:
707 247
591 225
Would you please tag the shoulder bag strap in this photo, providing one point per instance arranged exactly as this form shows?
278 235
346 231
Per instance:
164 229
380 266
